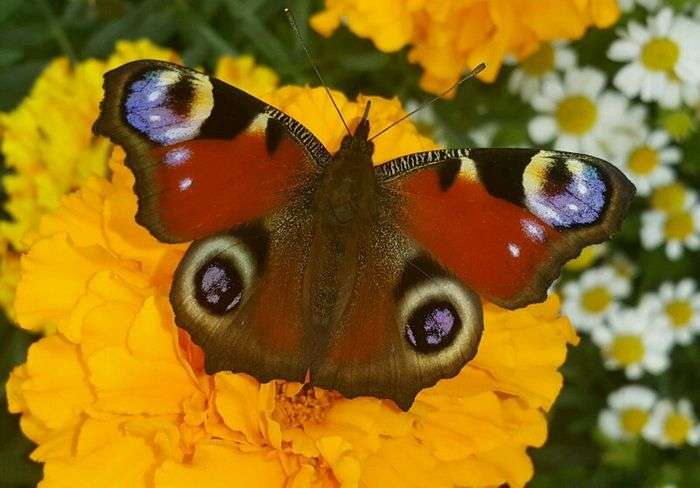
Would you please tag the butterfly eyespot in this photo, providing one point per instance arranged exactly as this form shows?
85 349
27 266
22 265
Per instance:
216 272
564 193
433 326
168 106
438 313
219 286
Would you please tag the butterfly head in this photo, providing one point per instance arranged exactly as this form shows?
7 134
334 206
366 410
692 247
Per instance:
358 143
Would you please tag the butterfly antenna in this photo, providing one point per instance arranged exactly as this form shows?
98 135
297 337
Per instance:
293 24
481 67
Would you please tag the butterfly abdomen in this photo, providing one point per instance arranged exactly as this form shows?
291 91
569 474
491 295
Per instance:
345 205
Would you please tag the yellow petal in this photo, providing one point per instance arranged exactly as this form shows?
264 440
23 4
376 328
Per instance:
221 465
237 403
123 461
55 390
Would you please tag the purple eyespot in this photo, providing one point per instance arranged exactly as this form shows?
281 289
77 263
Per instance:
218 286
168 106
572 194
432 326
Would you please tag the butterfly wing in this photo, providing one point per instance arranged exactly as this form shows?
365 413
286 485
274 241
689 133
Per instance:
409 323
218 166
206 155
238 293
506 220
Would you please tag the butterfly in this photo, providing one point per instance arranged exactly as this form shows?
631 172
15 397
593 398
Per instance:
323 267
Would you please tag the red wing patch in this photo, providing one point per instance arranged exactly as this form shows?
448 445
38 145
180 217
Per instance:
495 246
206 155
206 186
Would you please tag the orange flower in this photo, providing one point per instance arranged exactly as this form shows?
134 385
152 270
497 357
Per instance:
118 395
452 36
48 142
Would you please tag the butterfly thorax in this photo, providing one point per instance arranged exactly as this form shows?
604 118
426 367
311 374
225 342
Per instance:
345 206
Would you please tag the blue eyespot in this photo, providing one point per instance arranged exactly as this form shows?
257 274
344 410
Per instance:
565 194
218 286
168 106
432 326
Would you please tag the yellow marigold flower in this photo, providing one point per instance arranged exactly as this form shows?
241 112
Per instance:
246 75
48 142
118 395
450 36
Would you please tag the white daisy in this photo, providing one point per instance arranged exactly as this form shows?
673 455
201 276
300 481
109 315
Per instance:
672 424
628 5
623 265
647 163
631 341
581 116
594 296
526 80
677 308
627 413
678 229
661 57
672 198
483 135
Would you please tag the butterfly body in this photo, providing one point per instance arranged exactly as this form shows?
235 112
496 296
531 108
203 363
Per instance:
306 264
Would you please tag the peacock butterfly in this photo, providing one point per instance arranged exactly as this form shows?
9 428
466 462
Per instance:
307 265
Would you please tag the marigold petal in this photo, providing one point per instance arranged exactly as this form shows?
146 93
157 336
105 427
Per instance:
404 462
55 444
50 287
243 73
338 454
219 465
237 403
126 384
512 461
123 461
55 390
326 22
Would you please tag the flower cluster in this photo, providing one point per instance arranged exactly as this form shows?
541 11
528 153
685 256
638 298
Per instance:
48 144
118 388
455 35
634 411
631 118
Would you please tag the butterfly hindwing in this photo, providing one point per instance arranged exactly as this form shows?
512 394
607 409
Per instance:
207 156
409 323
238 293
506 220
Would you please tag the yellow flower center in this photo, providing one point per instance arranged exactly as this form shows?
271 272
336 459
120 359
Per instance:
680 312
643 160
670 198
676 428
539 62
660 54
633 420
576 114
680 124
679 226
303 407
596 299
627 349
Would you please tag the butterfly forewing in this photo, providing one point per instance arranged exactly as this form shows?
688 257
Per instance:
506 220
207 156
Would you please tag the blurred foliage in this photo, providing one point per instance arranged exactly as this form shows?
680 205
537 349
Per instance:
34 32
